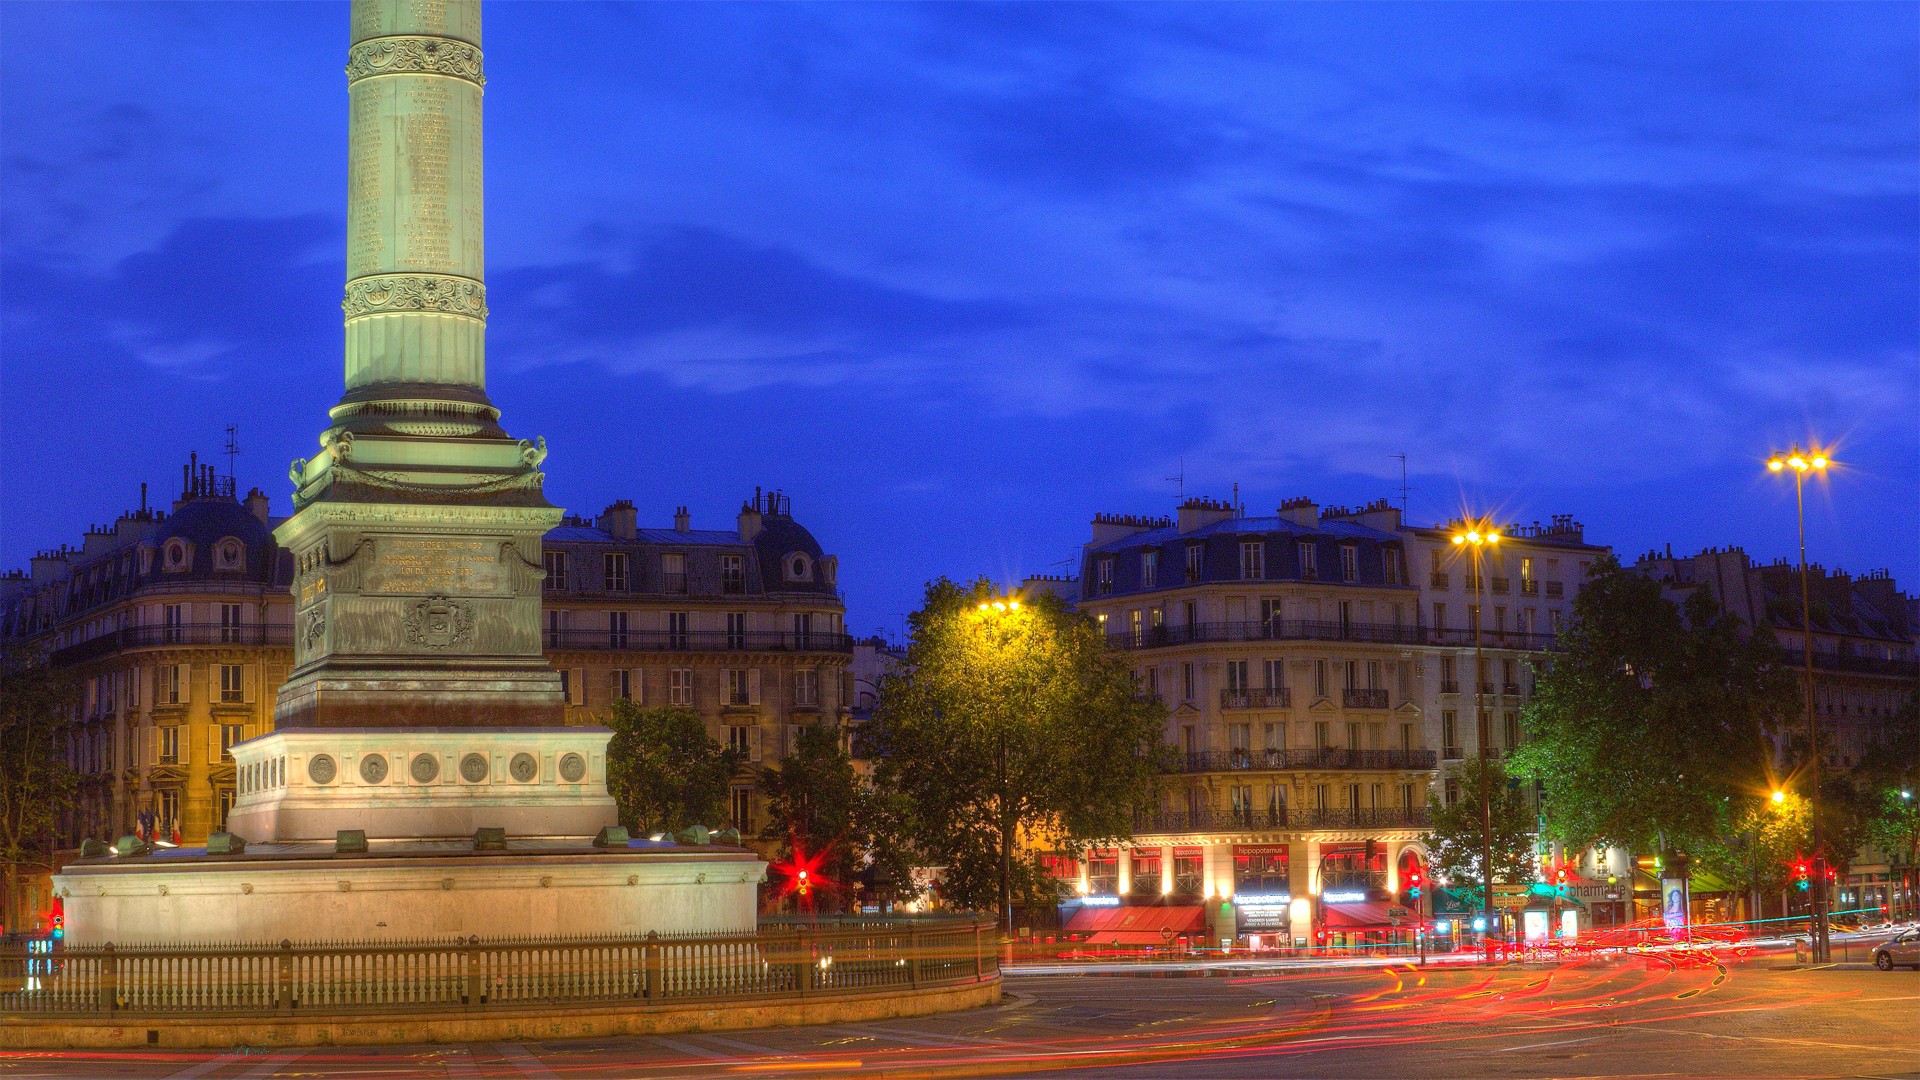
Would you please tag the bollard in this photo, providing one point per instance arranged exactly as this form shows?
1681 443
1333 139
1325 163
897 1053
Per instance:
652 962
109 979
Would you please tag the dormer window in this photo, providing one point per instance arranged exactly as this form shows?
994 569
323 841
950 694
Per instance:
229 554
176 556
798 567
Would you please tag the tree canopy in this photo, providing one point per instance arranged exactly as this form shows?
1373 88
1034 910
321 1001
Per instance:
1009 728
1455 840
37 785
664 771
822 812
1650 718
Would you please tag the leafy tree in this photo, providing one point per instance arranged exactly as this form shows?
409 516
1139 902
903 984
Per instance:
1651 718
1455 840
1754 847
37 785
664 771
820 808
1890 779
1894 828
1006 727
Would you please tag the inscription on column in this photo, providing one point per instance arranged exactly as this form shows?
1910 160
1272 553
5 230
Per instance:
427 134
367 190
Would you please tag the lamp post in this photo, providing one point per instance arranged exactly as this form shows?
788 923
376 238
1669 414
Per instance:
1801 464
1474 537
996 609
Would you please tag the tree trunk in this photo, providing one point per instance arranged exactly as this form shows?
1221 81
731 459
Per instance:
1006 873
11 902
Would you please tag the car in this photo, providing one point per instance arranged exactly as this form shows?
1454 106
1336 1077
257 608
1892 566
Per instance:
1902 948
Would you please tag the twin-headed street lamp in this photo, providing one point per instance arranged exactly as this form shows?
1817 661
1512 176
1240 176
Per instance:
1802 464
1475 537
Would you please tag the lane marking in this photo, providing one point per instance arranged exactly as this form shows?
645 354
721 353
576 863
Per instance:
522 1059
1539 1046
696 1050
272 1064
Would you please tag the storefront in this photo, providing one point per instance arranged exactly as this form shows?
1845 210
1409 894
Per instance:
1100 920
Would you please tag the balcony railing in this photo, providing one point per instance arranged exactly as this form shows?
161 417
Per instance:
1226 820
1500 586
1511 689
1364 699
697 641
1555 589
1319 630
1270 698
1437 580
1873 665
153 637
1529 587
1450 686
1305 757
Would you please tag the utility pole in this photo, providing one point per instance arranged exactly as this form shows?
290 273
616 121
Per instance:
1800 464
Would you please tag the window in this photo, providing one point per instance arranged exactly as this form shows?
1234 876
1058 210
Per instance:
742 805
621 682
1236 675
169 691
680 686
1149 576
176 557
166 811
1512 724
1319 678
1452 791
229 623
613 571
1373 674
1353 736
556 622
1133 627
231 735
1145 878
1188 876
1528 585
1406 738
1406 796
1103 576
232 683
1253 560
1349 563
1439 616
1392 568
1449 680
556 564
733 574
739 692
736 629
1274 737
798 567
1153 683
229 554
1309 563
616 629
1276 672
1553 619
1242 801
1103 873
740 739
169 738
1240 737
1450 733
677 635
1196 562
173 623
1321 800
1322 735
1351 675
806 688
673 572
566 685
802 628
1186 682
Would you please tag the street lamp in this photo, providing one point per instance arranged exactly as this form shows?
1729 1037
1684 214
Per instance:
1474 538
1802 464
994 609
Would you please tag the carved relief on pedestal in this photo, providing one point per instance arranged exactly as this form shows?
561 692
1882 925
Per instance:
439 623
523 574
440 293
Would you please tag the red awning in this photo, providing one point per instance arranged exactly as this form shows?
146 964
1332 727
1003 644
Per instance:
1126 937
1106 921
1365 915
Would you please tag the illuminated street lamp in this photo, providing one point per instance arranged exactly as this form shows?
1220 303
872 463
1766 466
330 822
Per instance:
995 609
1802 464
1779 797
1474 538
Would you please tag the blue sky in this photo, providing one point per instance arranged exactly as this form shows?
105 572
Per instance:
957 277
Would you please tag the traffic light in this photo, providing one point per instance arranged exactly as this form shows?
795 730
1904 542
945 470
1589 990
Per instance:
802 884
1413 885
1560 879
1800 880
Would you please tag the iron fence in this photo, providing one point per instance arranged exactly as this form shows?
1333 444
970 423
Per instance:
782 961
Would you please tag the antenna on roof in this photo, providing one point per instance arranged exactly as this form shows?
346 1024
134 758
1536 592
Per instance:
1403 483
1180 478
232 448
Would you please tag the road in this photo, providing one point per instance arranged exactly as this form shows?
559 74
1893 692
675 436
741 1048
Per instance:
1629 1017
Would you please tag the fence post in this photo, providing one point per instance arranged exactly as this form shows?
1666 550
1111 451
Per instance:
653 963
979 959
283 978
913 955
804 957
109 979
476 990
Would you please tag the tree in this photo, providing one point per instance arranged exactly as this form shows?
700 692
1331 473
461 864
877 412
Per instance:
664 771
1011 722
1755 845
1650 718
1894 828
1890 780
37 785
1456 840
821 811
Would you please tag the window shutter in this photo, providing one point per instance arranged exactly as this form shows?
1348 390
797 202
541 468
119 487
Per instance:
753 686
186 681
213 744
250 681
142 697
577 684
753 743
637 682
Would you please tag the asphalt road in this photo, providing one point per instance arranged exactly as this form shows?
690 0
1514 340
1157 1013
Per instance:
1631 1017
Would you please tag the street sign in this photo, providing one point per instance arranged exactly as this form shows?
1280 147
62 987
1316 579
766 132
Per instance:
1512 890
1398 913
1166 933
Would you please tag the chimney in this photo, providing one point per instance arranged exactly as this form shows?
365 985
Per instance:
621 520
260 506
682 521
1198 513
750 518
1302 511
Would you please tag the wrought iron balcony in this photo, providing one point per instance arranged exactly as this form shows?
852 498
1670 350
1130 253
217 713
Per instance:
159 637
1155 637
1872 665
696 641
1364 699
1331 757
1511 689
1437 580
1555 589
1500 586
1450 686
1270 698
1529 587
1230 820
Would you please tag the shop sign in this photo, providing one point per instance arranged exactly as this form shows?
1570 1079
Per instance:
1100 901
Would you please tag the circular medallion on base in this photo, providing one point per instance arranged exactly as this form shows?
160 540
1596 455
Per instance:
573 768
524 767
373 769
321 768
474 768
425 768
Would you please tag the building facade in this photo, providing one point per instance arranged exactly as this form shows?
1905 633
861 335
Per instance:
176 627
